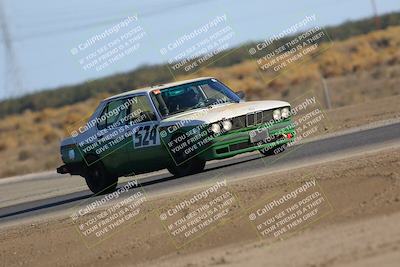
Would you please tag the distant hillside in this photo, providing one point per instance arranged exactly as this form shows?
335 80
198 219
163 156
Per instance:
149 75
361 69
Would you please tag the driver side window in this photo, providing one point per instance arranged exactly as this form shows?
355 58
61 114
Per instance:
140 110
113 115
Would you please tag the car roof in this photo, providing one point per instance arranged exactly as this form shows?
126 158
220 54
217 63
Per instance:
160 86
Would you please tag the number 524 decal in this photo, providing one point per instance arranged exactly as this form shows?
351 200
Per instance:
146 136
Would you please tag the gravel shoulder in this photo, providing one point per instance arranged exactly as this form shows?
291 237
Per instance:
361 229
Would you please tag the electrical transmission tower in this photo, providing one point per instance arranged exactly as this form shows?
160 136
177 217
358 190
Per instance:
12 84
377 18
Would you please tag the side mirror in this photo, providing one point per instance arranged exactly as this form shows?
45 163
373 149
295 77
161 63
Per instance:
241 94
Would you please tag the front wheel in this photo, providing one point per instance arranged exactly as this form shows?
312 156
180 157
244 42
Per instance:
98 180
192 166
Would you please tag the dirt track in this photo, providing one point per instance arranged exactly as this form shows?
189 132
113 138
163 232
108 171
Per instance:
362 229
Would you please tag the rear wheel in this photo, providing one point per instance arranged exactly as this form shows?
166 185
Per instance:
189 167
98 180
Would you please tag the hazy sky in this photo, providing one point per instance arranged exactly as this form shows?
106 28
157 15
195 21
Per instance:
43 32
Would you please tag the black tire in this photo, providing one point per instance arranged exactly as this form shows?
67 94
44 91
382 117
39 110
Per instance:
189 167
98 180
274 150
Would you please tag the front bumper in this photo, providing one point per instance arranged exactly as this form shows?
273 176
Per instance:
63 169
238 142
71 168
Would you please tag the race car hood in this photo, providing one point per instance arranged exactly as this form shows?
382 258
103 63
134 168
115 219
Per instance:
223 111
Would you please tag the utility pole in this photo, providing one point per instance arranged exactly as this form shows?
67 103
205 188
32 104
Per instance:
377 18
12 82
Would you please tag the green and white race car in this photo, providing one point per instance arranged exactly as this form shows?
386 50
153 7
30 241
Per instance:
178 126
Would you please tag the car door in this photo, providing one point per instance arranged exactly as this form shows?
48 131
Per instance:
114 136
146 152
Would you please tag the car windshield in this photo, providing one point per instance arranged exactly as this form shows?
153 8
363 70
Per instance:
194 95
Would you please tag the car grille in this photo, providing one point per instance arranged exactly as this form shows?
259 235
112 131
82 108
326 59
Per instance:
251 119
240 146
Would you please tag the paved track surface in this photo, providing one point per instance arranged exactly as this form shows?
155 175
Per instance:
50 193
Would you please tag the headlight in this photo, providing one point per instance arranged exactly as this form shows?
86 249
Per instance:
215 128
227 125
276 114
285 113
71 154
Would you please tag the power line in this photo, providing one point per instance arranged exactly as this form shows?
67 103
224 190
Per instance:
147 14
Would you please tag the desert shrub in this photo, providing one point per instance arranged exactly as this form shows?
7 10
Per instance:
3 146
48 133
8 142
24 155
